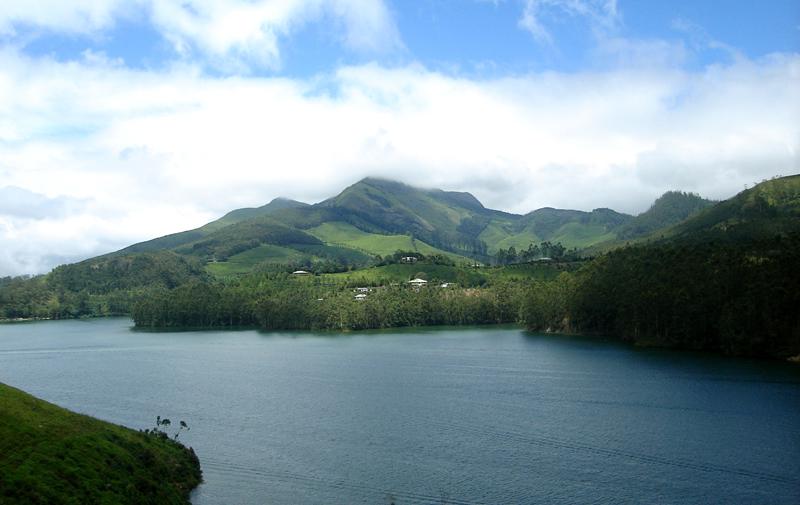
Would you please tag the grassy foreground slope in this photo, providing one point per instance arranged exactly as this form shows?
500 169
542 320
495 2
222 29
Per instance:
51 455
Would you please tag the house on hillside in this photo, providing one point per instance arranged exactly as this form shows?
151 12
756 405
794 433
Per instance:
362 290
409 259
418 283
360 297
301 272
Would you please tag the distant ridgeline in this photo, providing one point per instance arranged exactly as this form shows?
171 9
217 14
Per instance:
687 273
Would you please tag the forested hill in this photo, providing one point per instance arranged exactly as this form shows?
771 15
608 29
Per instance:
766 210
725 280
670 209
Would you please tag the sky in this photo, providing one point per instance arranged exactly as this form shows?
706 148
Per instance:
124 120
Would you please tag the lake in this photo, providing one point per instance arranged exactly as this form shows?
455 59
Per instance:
455 415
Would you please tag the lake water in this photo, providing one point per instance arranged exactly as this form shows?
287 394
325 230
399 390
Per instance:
459 416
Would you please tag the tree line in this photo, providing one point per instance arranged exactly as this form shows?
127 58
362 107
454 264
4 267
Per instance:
545 250
737 298
279 302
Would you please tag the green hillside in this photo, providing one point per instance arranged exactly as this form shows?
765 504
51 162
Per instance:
245 261
175 240
51 455
244 235
272 207
393 208
573 228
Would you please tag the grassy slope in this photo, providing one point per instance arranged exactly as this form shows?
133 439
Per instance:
51 455
176 240
581 235
571 228
571 234
347 235
244 262
519 241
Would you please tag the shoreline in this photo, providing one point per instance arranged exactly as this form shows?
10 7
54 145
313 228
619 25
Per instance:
794 360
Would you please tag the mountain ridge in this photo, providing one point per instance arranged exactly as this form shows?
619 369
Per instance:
451 222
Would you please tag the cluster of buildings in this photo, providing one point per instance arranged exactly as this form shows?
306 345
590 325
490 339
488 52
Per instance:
415 284
361 292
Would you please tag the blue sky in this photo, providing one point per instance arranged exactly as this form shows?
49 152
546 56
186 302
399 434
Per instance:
472 37
123 120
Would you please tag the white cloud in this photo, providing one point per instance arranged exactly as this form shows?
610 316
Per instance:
232 35
149 153
238 31
74 16
602 15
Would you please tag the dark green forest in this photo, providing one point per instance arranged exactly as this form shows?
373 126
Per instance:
730 297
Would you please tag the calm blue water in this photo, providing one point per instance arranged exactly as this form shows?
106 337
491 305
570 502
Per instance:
460 416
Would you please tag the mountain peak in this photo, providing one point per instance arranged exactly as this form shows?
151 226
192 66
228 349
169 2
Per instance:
458 198
282 202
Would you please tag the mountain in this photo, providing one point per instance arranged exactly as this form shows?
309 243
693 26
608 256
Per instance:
448 220
276 204
379 217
